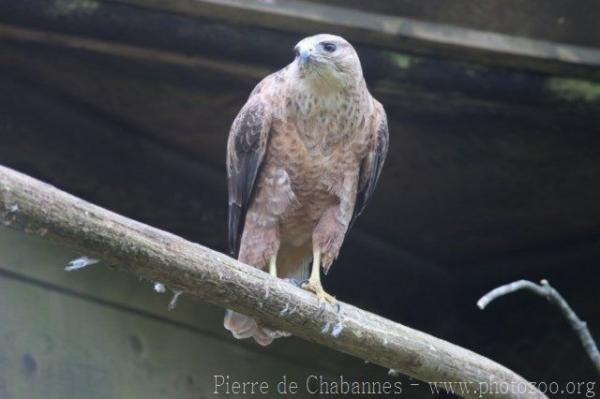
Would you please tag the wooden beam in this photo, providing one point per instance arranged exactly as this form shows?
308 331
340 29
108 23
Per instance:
25 35
29 205
397 77
393 32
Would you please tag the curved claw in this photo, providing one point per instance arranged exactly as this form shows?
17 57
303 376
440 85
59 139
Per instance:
318 290
314 282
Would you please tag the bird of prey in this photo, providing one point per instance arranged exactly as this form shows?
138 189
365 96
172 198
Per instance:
303 157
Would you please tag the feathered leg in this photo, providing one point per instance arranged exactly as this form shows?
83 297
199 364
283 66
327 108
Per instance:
329 235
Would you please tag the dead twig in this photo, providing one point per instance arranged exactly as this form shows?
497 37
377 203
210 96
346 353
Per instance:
547 291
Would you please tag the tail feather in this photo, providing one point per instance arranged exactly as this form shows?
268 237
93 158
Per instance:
242 326
294 262
234 232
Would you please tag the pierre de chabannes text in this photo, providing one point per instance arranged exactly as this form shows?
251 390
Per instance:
318 384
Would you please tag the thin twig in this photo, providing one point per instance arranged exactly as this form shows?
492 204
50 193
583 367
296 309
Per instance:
547 291
216 278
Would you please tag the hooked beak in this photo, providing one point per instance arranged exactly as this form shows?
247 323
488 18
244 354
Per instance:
304 56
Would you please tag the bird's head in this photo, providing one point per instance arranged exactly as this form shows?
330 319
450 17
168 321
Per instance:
328 61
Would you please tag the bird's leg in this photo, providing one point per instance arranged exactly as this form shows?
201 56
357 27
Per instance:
273 266
314 282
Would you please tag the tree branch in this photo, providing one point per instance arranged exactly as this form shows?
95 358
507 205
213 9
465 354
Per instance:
547 291
37 208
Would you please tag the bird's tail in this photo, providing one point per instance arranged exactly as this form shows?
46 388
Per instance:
242 326
295 263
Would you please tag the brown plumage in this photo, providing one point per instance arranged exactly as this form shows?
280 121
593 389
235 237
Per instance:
303 158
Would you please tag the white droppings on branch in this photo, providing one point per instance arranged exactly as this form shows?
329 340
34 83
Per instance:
9 214
173 303
326 328
292 310
339 325
553 296
160 288
337 329
393 373
285 310
80 263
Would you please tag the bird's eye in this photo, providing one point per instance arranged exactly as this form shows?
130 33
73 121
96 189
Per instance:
296 51
329 47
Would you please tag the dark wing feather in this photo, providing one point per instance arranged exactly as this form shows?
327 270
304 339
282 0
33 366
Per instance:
246 147
371 165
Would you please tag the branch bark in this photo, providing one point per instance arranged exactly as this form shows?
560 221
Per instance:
37 208
547 291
